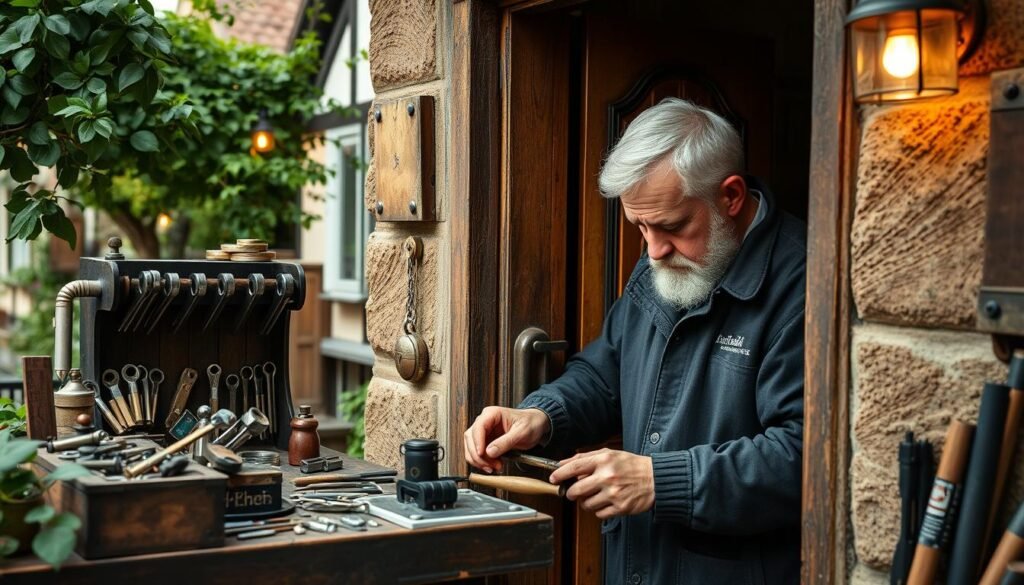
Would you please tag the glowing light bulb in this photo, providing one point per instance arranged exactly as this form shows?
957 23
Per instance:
900 55
163 221
262 141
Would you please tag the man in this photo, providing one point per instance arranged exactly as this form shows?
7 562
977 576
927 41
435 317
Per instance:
699 365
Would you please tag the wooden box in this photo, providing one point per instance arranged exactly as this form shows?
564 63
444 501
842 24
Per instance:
141 516
253 490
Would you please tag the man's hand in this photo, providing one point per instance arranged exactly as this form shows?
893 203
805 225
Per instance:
499 430
610 483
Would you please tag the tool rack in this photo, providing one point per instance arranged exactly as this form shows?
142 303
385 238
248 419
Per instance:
104 346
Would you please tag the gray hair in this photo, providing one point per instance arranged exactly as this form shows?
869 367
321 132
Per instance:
704 147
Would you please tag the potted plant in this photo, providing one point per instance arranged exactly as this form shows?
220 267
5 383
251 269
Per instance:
24 516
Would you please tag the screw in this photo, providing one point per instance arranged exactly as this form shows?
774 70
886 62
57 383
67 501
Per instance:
993 310
1011 92
411 108
412 207
380 207
376 114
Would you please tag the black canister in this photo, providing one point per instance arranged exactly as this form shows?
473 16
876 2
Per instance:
421 459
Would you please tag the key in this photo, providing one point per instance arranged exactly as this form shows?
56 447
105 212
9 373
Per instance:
130 374
213 373
111 380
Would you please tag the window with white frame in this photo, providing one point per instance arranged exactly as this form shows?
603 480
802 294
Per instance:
348 223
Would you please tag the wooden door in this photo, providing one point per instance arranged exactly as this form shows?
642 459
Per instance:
572 82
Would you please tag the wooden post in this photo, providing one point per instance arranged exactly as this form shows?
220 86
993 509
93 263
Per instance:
37 377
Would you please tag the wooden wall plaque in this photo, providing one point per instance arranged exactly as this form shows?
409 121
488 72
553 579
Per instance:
1001 298
404 159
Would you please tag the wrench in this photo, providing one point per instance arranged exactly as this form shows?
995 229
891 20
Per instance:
283 291
185 383
247 376
110 379
154 292
256 288
156 377
143 288
104 409
261 397
269 370
213 372
130 374
197 290
225 290
144 380
171 287
232 382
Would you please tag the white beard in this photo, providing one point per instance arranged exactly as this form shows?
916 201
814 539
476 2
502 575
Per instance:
685 283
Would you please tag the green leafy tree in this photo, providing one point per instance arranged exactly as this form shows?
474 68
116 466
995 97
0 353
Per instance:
79 91
215 186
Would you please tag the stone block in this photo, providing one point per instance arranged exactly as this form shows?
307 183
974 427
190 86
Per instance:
918 226
387 279
403 42
394 413
1002 46
905 380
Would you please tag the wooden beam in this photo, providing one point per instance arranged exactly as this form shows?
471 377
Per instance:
827 329
474 197
37 378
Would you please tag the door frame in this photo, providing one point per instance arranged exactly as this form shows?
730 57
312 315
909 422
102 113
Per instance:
475 198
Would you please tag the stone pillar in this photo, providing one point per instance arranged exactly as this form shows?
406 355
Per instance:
917 245
408 49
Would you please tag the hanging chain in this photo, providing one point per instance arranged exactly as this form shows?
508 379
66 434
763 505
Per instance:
410 302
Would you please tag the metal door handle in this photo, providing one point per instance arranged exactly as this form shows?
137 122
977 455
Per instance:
530 361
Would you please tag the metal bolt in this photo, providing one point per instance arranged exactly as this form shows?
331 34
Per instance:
411 108
1011 91
376 114
412 207
416 516
380 207
993 310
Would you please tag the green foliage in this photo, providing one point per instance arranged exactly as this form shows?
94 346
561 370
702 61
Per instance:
12 416
352 406
56 537
81 93
33 334
216 181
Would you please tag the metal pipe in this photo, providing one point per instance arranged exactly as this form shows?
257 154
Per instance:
62 321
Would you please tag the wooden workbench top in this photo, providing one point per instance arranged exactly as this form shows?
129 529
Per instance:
385 554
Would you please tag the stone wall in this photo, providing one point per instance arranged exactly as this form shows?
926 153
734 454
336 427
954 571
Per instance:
917 245
407 58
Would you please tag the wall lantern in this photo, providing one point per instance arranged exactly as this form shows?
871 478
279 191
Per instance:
911 49
262 134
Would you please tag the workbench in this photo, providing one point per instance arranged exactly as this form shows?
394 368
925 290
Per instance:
384 554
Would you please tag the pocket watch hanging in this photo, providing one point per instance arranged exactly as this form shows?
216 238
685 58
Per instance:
412 360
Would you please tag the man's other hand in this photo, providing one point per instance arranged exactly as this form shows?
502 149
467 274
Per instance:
609 483
499 430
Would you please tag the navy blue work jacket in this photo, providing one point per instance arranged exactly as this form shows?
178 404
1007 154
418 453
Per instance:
714 395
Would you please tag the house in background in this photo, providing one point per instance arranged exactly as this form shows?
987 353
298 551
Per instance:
329 353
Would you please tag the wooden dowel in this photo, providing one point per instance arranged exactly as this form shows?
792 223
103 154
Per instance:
518 485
